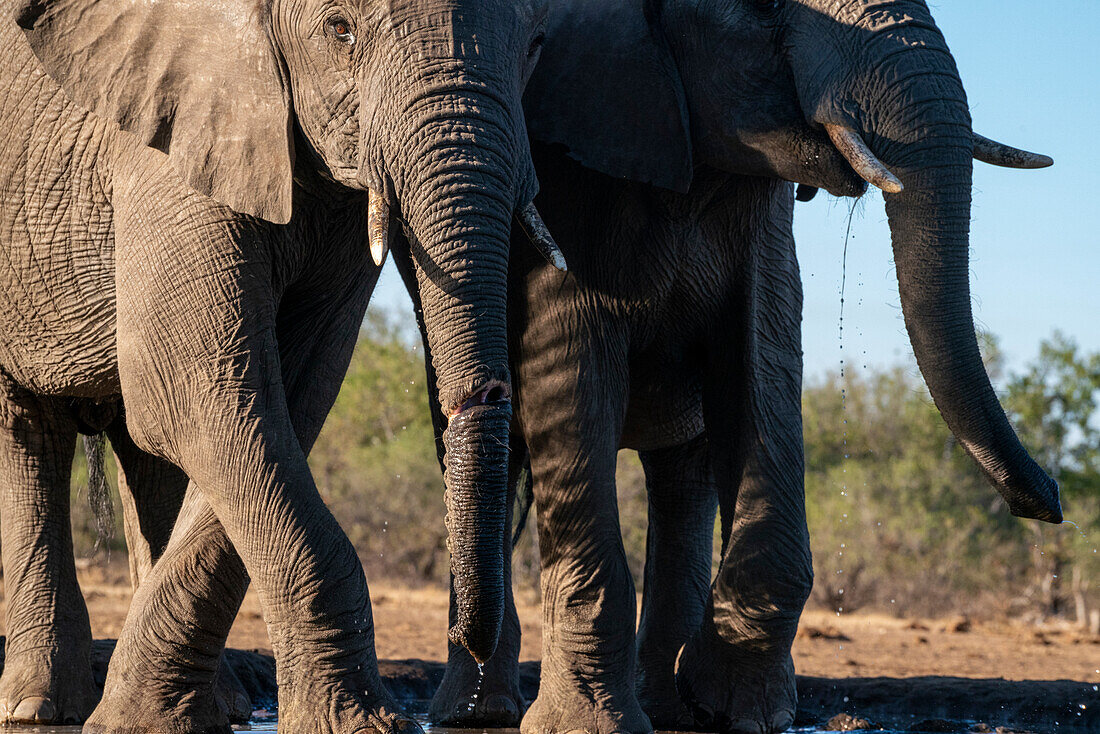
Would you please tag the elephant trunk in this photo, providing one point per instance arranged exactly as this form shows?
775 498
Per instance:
928 144
476 476
468 179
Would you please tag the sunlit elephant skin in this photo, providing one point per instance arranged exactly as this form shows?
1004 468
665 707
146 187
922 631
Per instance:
676 332
208 266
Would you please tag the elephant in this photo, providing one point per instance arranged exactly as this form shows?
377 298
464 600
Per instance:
189 192
665 135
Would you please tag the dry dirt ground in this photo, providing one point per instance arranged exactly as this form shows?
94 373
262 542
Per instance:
412 623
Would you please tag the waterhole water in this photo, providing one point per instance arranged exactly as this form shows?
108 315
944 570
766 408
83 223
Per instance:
271 726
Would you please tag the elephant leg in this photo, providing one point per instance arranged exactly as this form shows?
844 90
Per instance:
201 572
571 404
211 395
736 672
682 506
152 492
47 674
472 695
165 671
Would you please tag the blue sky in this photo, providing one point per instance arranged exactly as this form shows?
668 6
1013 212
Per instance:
1032 73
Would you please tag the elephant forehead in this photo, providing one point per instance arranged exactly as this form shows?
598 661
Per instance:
455 27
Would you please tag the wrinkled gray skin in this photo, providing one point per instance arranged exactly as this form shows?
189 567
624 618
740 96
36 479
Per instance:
209 269
676 332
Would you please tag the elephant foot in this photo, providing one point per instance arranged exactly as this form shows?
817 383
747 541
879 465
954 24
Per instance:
568 705
48 685
735 693
230 696
163 704
344 708
469 697
661 702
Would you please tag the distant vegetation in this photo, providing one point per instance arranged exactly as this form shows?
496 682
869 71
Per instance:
900 519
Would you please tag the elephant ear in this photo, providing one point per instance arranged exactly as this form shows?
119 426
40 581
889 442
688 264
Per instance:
196 79
608 89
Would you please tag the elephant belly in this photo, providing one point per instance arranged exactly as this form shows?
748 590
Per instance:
57 313
59 345
57 316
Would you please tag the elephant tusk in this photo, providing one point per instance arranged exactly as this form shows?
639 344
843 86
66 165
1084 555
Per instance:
535 229
378 226
862 160
999 154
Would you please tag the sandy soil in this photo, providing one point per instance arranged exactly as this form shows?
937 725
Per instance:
412 623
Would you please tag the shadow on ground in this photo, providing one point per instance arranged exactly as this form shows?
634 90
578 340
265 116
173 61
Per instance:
931 703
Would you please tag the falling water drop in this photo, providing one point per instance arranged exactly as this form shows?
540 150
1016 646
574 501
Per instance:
843 386
477 688
1079 532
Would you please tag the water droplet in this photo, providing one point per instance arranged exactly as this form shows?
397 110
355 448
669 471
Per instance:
477 688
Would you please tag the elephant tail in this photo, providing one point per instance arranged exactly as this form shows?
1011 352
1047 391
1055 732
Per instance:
525 498
99 493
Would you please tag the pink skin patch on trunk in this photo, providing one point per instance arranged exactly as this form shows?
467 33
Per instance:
491 393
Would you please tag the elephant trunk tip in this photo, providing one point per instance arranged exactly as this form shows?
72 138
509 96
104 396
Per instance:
1038 500
1029 492
480 640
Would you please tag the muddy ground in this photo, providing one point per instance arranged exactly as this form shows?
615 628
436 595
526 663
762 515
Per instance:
878 666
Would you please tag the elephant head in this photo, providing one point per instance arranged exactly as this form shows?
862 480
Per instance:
826 93
417 102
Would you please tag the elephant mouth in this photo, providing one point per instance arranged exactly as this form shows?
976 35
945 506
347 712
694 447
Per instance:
816 163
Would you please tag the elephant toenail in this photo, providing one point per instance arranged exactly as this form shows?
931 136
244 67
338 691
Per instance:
701 709
501 705
35 710
748 726
782 721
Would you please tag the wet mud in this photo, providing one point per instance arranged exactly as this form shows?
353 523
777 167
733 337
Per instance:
928 703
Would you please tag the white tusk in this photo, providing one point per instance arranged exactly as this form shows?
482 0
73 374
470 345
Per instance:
999 154
535 229
862 160
378 226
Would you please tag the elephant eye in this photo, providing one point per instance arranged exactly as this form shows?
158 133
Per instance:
340 29
536 44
